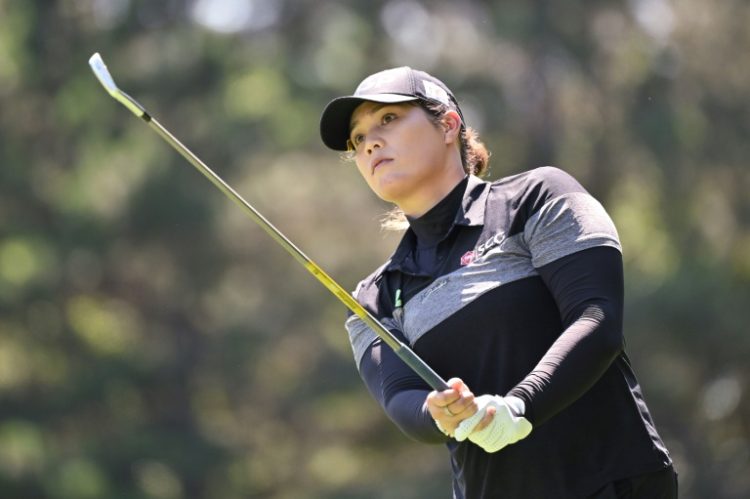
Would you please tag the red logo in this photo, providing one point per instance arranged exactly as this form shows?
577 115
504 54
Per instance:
467 258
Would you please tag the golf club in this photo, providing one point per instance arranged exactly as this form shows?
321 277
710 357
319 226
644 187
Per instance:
404 352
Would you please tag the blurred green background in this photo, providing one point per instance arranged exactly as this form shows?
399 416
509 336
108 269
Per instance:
154 343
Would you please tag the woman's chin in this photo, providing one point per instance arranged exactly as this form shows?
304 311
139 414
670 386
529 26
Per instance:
391 194
391 186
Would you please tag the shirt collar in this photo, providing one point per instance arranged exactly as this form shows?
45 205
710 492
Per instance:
470 214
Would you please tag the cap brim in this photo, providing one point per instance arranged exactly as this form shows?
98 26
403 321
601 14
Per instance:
334 122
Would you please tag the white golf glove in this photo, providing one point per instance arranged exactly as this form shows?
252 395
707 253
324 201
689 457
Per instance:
504 429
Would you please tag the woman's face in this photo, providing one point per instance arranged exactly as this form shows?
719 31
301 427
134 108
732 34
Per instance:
402 155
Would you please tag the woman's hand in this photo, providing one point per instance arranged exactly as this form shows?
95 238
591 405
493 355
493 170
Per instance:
449 407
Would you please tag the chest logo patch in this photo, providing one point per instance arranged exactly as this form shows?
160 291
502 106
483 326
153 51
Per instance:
467 258
489 244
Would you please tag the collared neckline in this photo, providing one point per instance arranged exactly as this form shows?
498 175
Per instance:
470 213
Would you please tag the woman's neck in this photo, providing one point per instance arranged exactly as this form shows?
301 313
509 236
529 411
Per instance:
421 202
435 224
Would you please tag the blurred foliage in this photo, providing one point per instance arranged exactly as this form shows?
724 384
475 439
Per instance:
154 343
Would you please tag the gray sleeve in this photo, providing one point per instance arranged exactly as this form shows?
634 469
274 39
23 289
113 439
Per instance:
566 224
361 336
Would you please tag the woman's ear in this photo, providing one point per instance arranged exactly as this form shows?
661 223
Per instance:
451 122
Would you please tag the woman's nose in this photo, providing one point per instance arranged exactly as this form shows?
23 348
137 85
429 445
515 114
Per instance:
372 144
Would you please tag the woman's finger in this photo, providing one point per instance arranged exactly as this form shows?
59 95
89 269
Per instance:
487 419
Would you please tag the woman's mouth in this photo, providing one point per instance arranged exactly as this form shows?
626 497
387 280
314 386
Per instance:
379 163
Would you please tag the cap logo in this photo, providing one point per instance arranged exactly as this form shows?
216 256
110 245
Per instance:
435 92
377 81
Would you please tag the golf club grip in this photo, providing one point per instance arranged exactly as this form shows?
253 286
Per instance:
403 351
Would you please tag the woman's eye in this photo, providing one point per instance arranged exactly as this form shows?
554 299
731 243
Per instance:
388 117
357 139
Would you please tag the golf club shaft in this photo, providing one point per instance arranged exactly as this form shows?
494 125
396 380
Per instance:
403 351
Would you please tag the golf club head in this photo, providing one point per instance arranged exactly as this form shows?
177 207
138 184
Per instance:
102 74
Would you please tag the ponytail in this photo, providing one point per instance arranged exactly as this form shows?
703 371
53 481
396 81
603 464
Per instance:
475 157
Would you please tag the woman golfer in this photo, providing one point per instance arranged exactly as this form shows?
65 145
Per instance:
514 290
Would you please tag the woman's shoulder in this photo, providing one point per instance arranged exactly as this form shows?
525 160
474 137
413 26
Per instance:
367 292
526 193
371 282
552 177
536 186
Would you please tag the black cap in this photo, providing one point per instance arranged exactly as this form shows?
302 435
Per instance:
402 84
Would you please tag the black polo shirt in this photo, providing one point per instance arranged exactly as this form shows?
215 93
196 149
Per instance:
515 287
